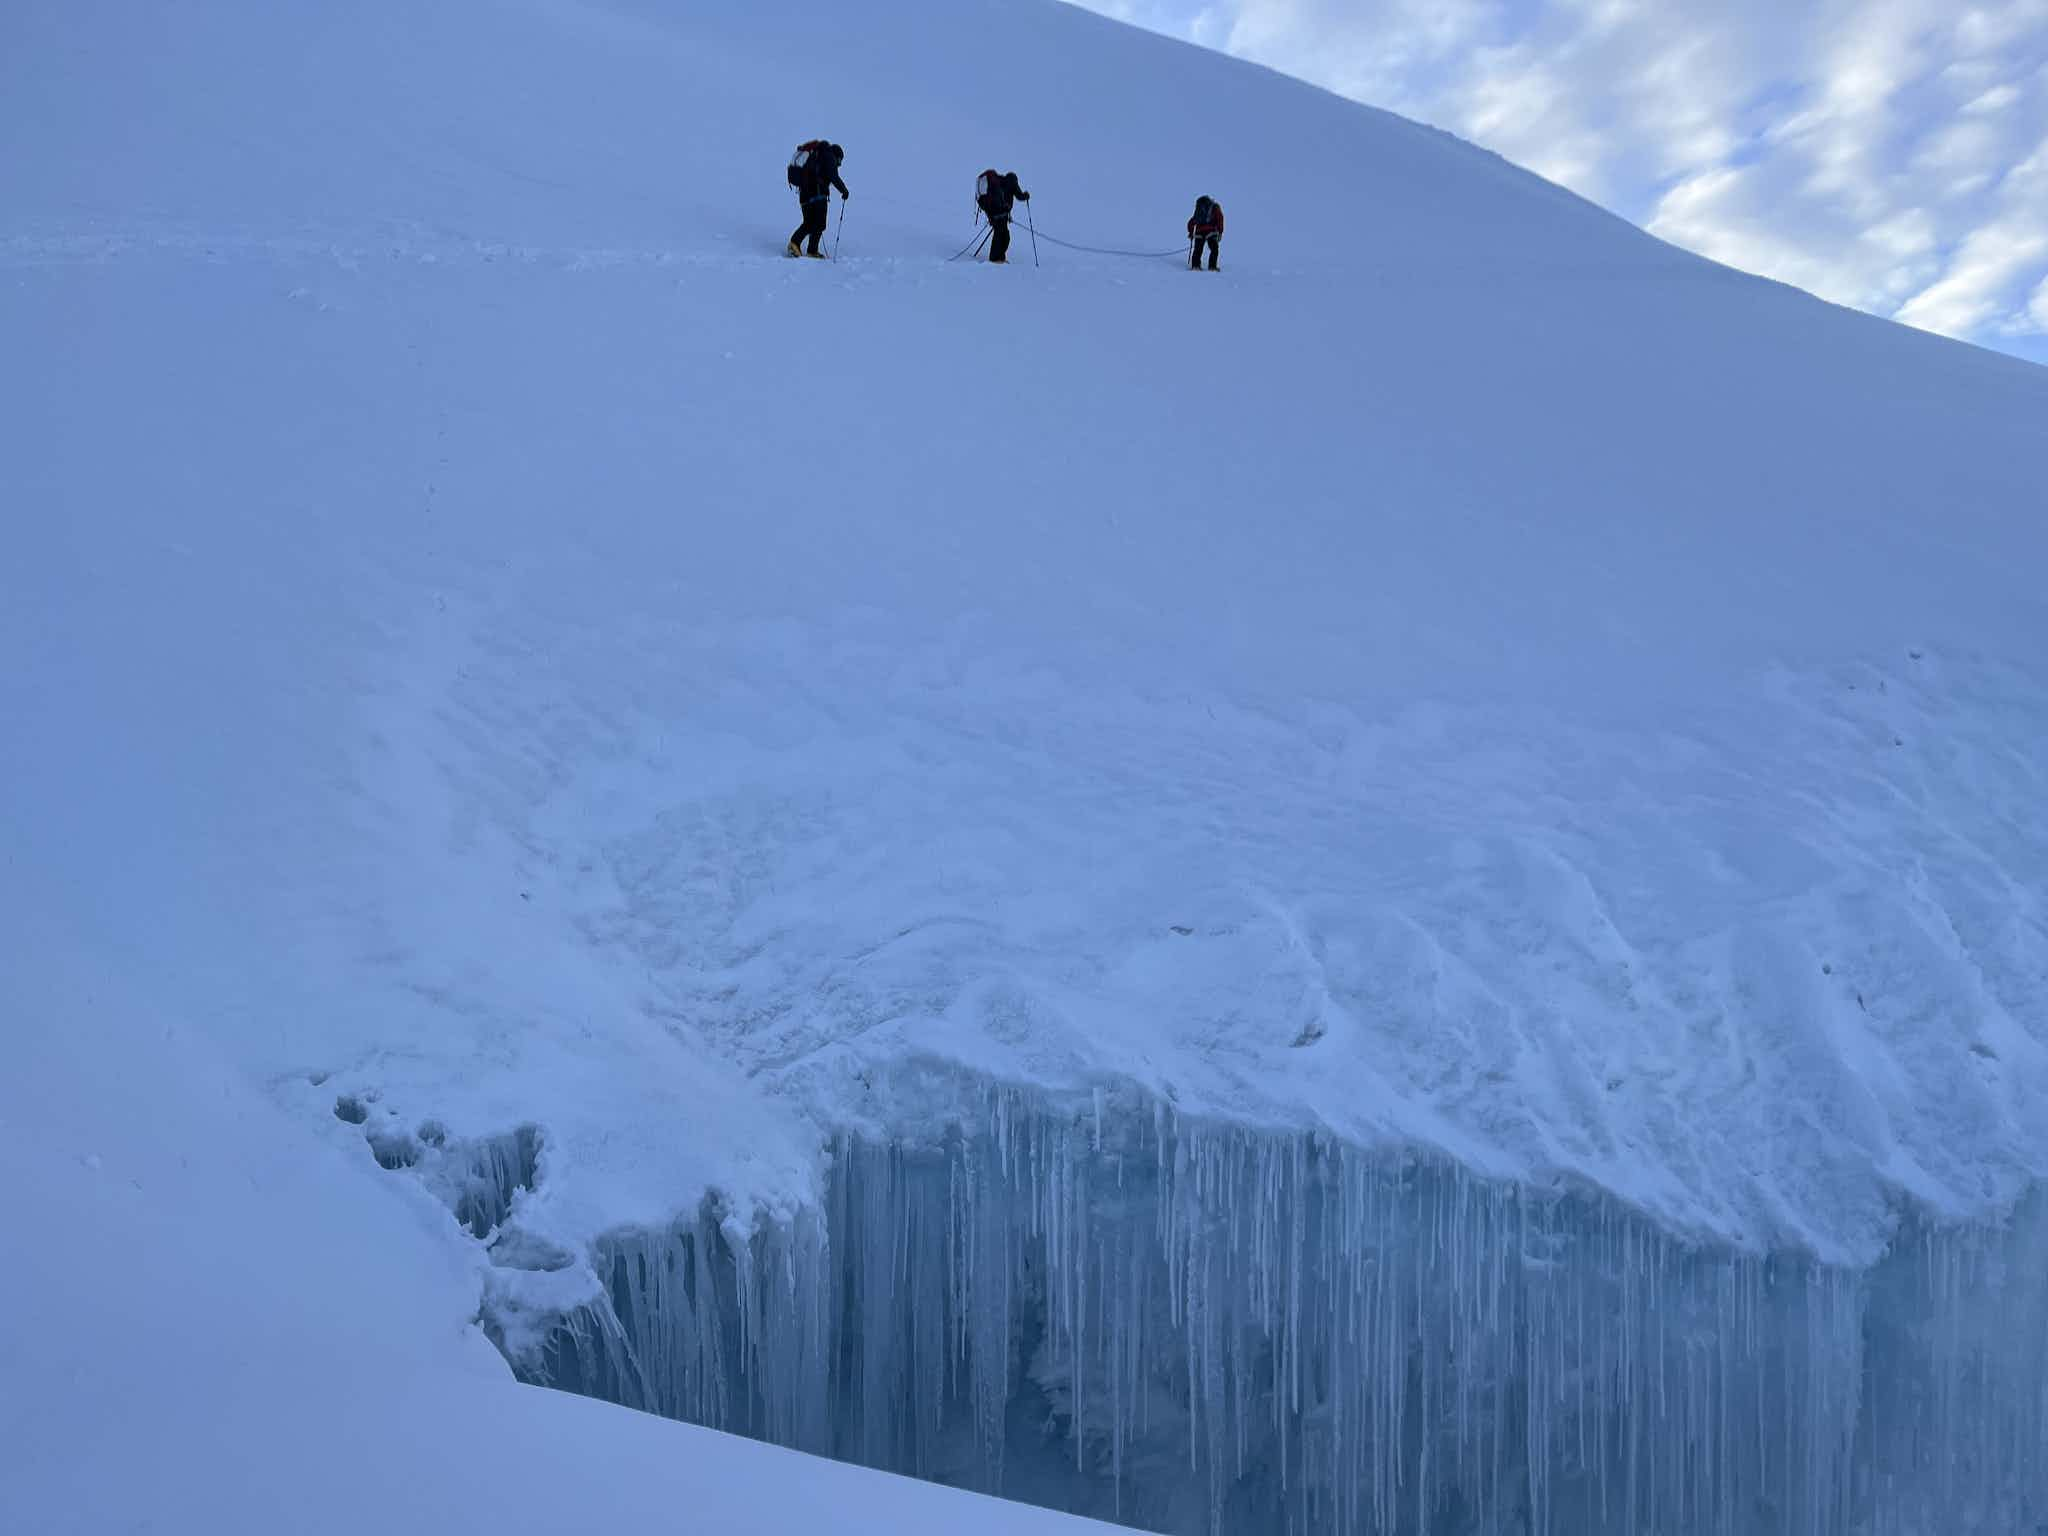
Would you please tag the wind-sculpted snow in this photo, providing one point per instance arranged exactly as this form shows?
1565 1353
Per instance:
1761 976
1198 1328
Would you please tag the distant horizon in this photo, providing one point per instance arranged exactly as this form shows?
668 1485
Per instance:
1887 155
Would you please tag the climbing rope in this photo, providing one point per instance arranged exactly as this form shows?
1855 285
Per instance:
975 244
1098 250
1179 252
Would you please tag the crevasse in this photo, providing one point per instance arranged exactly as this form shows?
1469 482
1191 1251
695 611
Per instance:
1194 1327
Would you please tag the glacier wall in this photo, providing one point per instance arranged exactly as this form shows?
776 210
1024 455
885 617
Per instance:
1199 1328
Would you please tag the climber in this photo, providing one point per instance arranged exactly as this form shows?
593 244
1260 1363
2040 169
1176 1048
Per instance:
813 173
995 193
1205 228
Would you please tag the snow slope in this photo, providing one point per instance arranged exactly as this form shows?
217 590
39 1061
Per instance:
215 1323
489 636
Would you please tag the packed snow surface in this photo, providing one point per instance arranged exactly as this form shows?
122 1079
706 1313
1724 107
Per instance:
495 649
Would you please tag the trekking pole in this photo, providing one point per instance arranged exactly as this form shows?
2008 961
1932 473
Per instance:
839 229
1031 224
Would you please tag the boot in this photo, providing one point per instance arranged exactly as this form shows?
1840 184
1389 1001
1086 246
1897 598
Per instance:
793 249
817 256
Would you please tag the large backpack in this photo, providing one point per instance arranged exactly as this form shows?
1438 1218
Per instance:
988 187
800 161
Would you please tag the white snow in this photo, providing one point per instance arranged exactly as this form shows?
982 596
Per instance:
216 1323
485 633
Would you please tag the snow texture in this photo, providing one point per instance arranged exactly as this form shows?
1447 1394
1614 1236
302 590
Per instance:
1515 744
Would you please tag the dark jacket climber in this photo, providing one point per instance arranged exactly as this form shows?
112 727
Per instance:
1205 229
814 172
995 193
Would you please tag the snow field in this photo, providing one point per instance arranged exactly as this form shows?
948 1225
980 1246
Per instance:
1474 698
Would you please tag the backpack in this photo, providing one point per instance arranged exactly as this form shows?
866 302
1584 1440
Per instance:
802 158
1205 209
987 185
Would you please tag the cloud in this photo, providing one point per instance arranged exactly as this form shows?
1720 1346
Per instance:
1890 154
1984 286
1900 175
1997 99
1393 52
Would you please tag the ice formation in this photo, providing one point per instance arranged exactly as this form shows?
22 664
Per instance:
1198 1328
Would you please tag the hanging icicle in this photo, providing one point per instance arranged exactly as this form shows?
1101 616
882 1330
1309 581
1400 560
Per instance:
1207 1328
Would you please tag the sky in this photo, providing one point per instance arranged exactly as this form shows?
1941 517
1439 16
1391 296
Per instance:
1886 154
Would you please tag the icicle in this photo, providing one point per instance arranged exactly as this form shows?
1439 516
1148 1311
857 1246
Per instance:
1197 1328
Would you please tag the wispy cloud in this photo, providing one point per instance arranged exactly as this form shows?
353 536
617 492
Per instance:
1889 154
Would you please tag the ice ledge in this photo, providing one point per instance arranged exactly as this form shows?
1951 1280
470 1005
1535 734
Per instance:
1189 1326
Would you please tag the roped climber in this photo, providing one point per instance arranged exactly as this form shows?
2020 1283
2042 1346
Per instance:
813 173
1205 229
995 194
